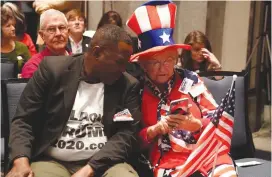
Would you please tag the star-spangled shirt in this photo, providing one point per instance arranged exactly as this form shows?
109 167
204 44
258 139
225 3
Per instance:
204 106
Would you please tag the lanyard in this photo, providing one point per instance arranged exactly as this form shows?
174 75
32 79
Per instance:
164 141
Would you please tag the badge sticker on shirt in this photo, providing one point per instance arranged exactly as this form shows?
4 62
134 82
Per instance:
197 89
122 116
186 85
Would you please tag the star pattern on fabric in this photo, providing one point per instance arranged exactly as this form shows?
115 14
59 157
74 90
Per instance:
186 136
226 105
139 44
165 37
167 172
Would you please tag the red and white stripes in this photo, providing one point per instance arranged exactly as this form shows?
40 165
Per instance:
146 18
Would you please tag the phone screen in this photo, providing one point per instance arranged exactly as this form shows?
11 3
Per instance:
179 106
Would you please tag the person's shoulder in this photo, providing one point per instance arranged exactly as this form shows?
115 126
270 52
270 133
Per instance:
125 83
20 46
185 73
86 41
87 38
58 62
22 50
129 79
27 38
35 59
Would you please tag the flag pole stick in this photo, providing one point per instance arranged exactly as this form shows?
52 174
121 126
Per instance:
215 159
234 77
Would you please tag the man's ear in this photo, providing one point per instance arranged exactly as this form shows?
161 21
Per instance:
96 51
41 34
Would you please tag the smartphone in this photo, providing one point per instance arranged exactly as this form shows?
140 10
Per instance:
179 106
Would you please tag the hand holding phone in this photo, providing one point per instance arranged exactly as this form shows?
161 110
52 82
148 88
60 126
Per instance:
180 116
179 106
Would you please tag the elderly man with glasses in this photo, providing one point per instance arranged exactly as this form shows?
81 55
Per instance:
54 31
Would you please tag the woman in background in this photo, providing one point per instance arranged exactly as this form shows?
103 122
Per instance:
110 17
20 28
200 57
10 48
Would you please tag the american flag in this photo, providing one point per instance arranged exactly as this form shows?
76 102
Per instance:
214 140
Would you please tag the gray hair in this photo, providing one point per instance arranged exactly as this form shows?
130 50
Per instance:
15 11
48 13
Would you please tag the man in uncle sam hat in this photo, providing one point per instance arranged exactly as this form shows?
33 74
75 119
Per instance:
172 135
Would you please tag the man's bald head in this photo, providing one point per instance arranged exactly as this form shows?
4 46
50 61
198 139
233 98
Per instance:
110 34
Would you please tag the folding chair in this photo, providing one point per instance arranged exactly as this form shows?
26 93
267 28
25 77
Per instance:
11 93
242 146
8 69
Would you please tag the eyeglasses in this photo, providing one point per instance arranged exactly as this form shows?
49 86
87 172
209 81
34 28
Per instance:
53 30
158 64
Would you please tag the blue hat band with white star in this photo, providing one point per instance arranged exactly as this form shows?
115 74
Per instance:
154 38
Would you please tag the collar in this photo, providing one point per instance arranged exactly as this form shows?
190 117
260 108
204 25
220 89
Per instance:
155 90
47 52
74 43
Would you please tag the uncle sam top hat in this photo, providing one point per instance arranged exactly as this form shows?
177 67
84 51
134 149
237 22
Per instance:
154 24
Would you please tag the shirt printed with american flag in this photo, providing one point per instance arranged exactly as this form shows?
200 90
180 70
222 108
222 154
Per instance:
182 142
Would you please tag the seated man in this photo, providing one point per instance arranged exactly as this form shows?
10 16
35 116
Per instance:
77 43
54 32
78 115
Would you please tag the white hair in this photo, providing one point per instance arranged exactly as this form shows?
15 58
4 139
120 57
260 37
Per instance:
48 13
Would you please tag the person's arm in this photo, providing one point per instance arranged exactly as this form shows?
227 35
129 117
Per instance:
30 103
122 144
150 133
31 46
21 168
28 69
185 122
214 64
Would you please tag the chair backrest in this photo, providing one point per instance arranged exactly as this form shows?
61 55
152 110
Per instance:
8 69
11 90
11 93
241 137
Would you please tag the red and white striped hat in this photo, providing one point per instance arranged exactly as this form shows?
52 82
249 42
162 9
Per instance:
154 23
